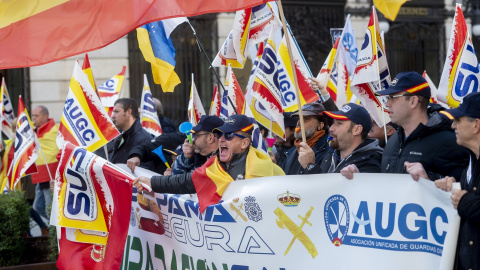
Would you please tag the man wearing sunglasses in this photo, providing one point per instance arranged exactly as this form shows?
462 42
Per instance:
236 160
204 145
424 145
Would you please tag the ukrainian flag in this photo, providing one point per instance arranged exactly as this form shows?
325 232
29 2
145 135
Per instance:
157 48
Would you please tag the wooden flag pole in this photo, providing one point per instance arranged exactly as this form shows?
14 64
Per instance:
297 91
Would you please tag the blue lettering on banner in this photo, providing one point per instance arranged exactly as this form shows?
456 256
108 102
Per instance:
468 82
284 85
419 224
77 122
148 105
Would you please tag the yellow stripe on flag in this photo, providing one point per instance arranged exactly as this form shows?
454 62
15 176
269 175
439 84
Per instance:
12 11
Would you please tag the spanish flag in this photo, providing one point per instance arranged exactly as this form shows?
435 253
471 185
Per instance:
211 179
47 136
36 32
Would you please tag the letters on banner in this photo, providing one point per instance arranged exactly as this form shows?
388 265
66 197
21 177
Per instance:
271 223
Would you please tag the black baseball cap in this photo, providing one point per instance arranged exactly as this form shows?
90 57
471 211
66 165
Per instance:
314 108
354 113
411 81
288 120
470 106
208 123
236 122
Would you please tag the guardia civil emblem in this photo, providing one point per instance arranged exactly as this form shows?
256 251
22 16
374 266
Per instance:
252 209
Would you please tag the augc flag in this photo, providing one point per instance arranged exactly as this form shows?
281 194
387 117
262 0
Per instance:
148 113
285 76
91 209
109 91
461 72
26 149
8 115
195 106
84 121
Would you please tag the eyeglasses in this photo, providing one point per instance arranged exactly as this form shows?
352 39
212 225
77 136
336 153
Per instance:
390 98
229 136
194 135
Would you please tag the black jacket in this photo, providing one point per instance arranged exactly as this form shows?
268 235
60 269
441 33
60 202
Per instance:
167 125
469 212
291 166
282 153
134 136
183 183
367 157
150 160
434 145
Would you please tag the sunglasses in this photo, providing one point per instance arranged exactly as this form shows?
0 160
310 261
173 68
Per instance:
197 135
229 136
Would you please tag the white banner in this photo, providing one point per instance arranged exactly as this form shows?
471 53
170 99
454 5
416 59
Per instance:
376 221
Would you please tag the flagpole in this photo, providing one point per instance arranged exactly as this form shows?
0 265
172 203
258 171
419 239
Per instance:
287 39
211 65
378 67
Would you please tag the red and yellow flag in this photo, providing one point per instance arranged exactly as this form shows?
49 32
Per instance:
211 179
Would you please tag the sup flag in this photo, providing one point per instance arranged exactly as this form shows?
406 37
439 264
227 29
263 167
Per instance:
195 106
91 210
216 104
109 91
460 74
148 113
265 86
232 91
26 148
285 76
372 73
84 120
7 115
87 69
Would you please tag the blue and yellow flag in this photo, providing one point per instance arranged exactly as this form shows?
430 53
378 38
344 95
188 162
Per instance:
157 48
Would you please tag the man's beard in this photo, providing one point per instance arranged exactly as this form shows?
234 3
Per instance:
309 132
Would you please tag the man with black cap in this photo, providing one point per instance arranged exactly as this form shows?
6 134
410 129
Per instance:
316 127
203 146
349 143
284 147
467 199
236 160
424 145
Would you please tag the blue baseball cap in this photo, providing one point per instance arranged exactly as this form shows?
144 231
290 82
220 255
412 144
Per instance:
354 113
470 106
410 81
236 122
288 120
208 123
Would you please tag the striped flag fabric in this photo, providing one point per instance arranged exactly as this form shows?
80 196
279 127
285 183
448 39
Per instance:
216 105
8 115
195 106
234 92
148 113
110 90
285 76
26 148
460 74
157 48
87 69
84 120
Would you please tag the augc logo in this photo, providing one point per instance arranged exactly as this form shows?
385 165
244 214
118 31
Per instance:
337 218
